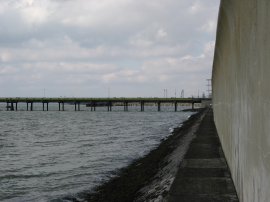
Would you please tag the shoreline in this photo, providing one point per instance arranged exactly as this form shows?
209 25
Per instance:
149 177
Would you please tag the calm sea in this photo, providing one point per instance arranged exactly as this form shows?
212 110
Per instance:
47 156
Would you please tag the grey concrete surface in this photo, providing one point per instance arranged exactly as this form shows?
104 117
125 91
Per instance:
241 98
204 174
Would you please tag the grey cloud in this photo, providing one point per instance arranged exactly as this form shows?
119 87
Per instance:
129 42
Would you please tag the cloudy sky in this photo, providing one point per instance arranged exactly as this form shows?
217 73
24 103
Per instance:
88 48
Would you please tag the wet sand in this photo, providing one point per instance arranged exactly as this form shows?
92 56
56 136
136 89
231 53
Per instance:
150 177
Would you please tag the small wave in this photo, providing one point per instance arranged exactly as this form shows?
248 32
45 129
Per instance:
171 130
23 176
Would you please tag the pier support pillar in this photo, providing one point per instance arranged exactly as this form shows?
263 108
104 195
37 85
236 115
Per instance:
93 106
16 106
125 106
142 106
12 106
109 106
175 106
31 106
192 105
47 106
59 106
158 106
77 104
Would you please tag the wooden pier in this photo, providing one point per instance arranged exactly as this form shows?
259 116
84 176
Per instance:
12 103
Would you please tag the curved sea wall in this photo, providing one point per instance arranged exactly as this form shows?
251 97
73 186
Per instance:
241 94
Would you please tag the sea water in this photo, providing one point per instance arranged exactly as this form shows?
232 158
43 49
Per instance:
48 156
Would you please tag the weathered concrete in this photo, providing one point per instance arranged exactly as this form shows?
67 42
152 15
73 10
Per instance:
204 174
241 95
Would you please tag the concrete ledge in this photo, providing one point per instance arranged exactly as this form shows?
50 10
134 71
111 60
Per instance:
207 186
204 198
203 174
204 163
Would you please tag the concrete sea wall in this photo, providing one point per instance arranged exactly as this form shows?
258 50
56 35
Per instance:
241 94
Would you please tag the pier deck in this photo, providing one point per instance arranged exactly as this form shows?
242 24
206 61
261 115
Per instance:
12 103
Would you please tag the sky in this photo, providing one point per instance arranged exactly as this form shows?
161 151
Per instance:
101 48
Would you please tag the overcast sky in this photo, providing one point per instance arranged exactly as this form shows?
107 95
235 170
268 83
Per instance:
83 48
